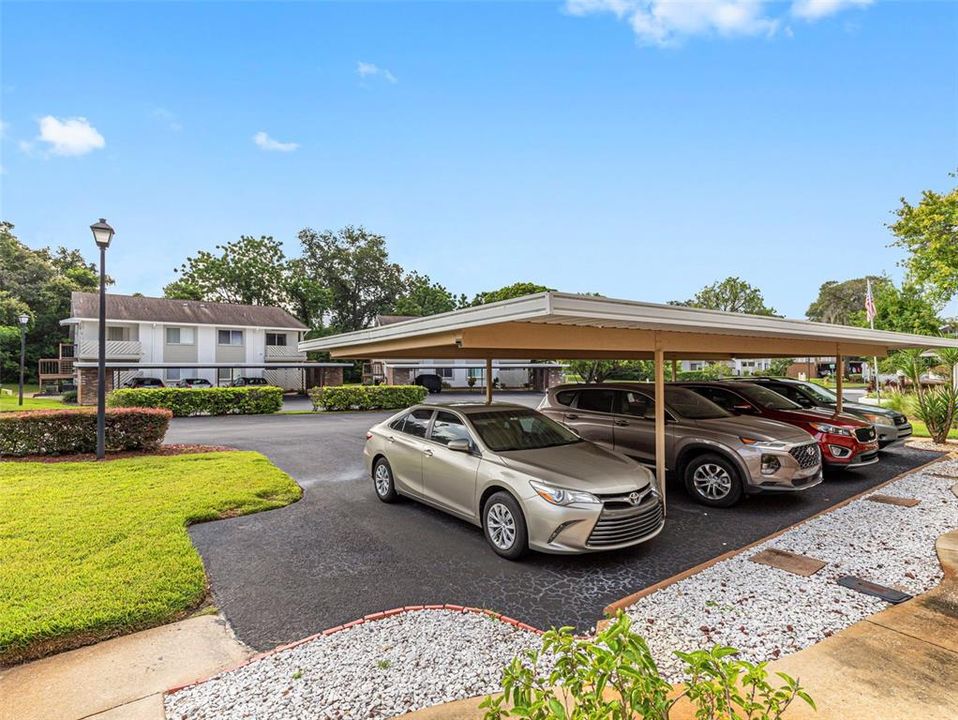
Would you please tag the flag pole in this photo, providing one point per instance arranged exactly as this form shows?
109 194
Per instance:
870 309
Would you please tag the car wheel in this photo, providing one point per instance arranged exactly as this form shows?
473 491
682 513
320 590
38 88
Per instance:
713 480
383 481
505 526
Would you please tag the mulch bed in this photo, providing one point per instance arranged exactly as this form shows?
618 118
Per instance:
91 457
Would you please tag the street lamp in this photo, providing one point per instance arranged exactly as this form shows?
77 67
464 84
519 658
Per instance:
102 235
23 319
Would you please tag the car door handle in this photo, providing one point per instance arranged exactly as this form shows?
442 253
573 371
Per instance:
621 423
570 416
427 452
390 438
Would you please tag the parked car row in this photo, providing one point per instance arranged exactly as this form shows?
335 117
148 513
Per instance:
573 475
150 382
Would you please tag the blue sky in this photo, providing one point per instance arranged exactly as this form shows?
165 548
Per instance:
637 149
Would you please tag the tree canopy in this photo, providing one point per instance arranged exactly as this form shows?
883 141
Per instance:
508 293
929 232
839 301
421 296
731 295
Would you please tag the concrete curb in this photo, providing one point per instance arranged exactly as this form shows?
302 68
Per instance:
628 600
373 617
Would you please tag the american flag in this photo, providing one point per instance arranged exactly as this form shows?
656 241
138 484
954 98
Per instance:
869 302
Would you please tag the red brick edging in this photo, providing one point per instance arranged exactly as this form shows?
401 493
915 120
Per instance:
373 617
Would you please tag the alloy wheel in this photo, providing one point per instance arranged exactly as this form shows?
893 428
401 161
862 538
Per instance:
712 481
382 479
501 526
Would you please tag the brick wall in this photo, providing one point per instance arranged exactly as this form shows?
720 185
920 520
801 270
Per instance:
87 387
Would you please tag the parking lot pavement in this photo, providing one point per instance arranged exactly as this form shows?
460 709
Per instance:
339 553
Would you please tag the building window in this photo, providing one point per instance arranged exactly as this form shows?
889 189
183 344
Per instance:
173 373
115 333
477 373
276 339
179 336
224 375
444 372
229 337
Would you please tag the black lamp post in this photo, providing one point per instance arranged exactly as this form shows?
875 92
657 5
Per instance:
24 319
102 235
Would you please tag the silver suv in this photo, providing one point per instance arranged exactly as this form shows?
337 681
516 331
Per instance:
719 456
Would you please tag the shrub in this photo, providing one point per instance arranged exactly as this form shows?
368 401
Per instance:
70 396
366 397
60 432
936 407
719 685
253 400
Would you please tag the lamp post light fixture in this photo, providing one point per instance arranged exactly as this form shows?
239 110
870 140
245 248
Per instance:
102 235
23 320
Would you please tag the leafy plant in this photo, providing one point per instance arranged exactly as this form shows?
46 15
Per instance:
62 432
936 407
614 677
366 397
253 400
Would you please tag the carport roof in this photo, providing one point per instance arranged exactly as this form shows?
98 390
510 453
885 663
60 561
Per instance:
562 325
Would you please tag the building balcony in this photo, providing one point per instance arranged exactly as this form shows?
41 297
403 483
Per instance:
284 353
115 350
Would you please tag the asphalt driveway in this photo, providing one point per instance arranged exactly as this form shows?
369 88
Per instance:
339 553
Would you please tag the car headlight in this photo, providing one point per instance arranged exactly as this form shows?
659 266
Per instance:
832 429
878 419
562 496
767 444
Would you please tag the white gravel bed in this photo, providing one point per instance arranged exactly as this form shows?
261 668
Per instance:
375 670
766 612
384 668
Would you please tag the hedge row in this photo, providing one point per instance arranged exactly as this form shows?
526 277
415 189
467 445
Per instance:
366 397
255 400
64 432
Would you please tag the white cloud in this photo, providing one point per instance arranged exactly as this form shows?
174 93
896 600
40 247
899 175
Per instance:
365 70
668 22
70 136
817 9
265 142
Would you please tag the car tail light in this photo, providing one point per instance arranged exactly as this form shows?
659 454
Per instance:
369 435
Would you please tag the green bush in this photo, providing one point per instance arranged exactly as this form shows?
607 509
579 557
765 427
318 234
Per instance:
366 397
63 432
253 400
719 686
70 396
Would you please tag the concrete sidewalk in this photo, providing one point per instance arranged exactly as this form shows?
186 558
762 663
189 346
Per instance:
899 664
123 678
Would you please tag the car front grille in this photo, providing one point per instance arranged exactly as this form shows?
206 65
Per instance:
617 526
865 434
866 457
807 455
900 419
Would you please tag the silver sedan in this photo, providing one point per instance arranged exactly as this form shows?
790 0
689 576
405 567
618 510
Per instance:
528 481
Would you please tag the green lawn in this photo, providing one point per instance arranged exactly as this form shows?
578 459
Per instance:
8 403
922 431
89 550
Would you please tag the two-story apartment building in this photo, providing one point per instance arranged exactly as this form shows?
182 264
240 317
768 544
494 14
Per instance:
174 339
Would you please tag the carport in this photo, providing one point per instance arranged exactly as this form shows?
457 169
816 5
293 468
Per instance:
553 325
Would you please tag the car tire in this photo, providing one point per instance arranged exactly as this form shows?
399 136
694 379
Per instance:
504 526
383 483
713 480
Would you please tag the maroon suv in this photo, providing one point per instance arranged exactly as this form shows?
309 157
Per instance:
845 441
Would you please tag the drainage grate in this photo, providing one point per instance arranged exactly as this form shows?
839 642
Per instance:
890 595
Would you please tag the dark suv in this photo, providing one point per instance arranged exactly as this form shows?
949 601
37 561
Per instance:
247 381
892 427
720 457
430 381
144 383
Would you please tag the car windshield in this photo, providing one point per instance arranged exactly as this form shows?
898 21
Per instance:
519 429
826 396
767 398
691 405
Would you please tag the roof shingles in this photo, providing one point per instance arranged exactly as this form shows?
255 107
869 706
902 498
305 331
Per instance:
136 308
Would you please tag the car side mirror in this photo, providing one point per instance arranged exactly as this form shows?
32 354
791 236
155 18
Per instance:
743 409
460 445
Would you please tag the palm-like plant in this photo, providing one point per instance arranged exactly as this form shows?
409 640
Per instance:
936 407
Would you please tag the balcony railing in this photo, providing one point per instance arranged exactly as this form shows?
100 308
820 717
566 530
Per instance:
280 353
115 350
55 368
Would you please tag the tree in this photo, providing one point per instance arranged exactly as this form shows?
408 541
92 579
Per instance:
731 295
423 297
38 282
508 293
597 371
248 271
907 310
929 232
353 265
838 302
